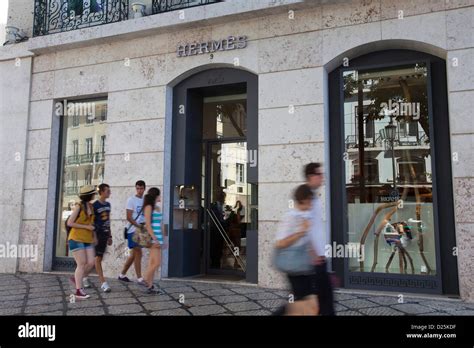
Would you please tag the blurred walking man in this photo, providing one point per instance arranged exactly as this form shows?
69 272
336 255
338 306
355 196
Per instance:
321 283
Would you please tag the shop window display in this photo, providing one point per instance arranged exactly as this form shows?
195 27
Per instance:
389 198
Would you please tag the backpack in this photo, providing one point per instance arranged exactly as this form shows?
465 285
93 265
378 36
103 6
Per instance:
68 229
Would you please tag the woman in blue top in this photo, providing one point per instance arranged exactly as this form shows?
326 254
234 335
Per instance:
153 219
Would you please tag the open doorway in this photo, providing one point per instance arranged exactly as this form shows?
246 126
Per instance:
214 179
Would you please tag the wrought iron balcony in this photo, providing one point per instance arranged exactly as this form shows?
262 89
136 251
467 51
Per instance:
87 158
73 159
55 16
160 6
401 139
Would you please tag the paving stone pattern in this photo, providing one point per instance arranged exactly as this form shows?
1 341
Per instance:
50 294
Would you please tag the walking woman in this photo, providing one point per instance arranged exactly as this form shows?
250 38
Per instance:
293 232
82 238
153 219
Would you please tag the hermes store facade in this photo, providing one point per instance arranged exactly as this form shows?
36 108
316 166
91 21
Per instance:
222 115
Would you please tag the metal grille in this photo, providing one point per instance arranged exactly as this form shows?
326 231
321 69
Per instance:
55 16
160 6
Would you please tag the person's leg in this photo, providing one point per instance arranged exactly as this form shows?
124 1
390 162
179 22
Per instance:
98 268
147 277
131 257
90 254
80 258
158 262
153 264
128 263
296 306
137 261
329 294
310 305
99 254
309 299
323 289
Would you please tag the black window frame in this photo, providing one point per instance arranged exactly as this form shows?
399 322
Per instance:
62 263
446 279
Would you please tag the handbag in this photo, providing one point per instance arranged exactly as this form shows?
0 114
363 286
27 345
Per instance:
125 230
142 237
293 260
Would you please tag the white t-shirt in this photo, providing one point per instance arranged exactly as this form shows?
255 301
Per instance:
135 203
291 224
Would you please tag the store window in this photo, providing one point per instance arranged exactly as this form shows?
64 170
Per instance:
389 199
82 149
392 209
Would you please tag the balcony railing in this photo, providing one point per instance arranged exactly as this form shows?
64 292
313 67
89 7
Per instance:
160 6
352 141
87 158
73 159
55 16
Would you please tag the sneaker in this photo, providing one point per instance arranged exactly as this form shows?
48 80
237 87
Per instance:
141 281
86 283
81 294
154 290
105 287
124 279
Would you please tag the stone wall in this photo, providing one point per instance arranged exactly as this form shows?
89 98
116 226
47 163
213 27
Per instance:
15 218
20 15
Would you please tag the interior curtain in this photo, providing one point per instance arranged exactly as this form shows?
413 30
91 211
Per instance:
78 6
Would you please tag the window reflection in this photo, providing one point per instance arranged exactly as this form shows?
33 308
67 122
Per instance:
83 161
388 169
225 117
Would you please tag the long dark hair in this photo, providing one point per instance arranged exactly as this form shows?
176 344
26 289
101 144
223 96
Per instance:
238 203
150 197
85 199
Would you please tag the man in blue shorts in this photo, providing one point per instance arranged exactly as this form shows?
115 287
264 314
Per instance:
135 218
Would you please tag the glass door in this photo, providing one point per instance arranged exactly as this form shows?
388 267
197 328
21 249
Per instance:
226 207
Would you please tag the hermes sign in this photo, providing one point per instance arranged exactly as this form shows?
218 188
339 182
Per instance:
229 44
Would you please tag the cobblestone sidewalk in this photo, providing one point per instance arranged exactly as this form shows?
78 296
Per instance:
49 294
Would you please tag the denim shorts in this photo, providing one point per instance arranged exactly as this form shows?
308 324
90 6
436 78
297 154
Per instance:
74 245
